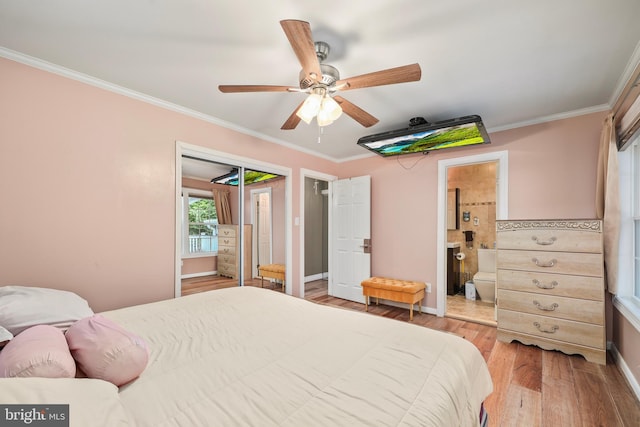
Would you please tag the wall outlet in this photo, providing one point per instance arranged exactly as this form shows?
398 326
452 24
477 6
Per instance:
428 287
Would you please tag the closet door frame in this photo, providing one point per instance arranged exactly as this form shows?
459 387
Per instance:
184 148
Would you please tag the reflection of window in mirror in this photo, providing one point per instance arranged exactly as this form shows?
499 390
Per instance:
453 215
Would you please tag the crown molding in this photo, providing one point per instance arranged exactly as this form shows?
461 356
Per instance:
551 118
627 74
103 84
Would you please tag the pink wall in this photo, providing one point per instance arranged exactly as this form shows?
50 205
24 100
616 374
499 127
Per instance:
627 341
551 175
199 265
552 168
87 182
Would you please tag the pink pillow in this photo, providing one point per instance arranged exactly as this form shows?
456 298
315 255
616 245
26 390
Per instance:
106 351
39 351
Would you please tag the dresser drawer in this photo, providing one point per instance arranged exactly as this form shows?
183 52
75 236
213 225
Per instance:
552 306
553 236
551 284
585 334
226 242
227 250
227 231
584 264
226 259
227 270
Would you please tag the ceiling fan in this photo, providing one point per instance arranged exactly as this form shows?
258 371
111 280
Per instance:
321 81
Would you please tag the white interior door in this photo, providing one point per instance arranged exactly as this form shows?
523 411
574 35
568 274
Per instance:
261 214
350 236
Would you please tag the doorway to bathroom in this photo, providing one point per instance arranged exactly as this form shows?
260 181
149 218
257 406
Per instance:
473 197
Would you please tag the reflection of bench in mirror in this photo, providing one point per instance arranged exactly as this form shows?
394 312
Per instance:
394 290
272 271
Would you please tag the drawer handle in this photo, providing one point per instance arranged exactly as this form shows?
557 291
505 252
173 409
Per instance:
543 242
543 264
553 329
551 307
543 286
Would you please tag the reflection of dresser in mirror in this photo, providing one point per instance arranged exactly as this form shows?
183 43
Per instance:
229 250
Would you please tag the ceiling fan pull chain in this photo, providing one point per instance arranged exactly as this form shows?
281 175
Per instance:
320 132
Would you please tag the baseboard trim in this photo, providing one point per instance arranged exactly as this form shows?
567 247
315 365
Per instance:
319 276
204 273
626 372
427 310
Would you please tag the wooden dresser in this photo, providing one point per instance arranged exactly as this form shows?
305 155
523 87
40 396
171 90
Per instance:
550 280
229 251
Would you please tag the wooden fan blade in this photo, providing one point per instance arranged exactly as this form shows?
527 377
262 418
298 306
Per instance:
406 73
355 112
293 119
299 35
252 88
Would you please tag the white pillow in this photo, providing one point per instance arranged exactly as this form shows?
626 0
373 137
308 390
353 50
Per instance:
23 306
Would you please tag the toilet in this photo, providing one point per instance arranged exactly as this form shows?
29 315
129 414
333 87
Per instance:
485 279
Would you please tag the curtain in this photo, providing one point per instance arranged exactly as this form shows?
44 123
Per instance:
221 200
608 201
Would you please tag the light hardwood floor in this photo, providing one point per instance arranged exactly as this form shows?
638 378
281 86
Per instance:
532 387
461 308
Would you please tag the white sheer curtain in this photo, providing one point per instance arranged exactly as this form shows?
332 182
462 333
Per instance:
608 200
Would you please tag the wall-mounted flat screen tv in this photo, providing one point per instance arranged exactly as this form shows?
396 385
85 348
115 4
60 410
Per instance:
250 177
426 137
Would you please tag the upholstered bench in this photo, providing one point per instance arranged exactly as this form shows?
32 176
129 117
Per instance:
272 271
394 290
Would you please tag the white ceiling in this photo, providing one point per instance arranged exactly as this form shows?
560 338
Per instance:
511 62
203 170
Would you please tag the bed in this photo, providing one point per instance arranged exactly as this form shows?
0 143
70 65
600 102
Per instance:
248 356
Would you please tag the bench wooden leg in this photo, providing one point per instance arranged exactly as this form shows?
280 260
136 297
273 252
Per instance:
366 303
410 312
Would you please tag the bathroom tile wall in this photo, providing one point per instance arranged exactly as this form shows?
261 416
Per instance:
477 184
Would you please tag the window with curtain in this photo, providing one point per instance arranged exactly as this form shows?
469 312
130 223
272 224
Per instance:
199 223
627 298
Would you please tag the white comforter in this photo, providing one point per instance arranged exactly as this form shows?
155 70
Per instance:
253 357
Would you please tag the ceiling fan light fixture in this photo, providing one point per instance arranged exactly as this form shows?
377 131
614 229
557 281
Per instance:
320 105
310 107
331 108
323 118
